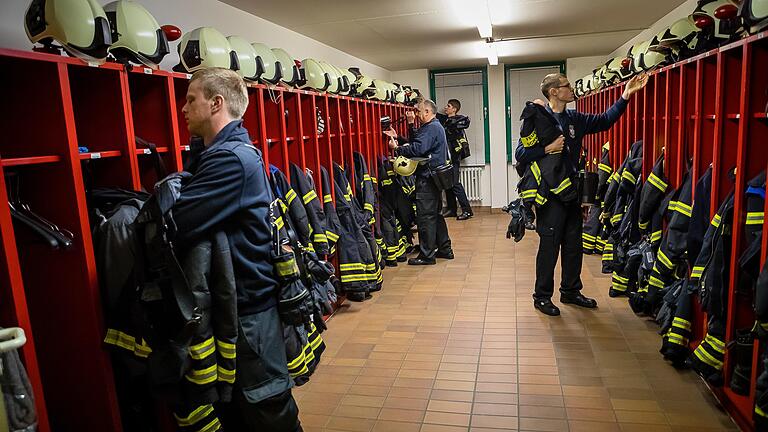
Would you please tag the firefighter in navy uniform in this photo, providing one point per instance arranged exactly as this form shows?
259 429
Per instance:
455 126
229 191
558 225
428 141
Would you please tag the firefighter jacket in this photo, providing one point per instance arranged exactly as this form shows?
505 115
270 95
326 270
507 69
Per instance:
300 183
699 216
363 187
591 231
455 133
761 396
714 265
190 366
749 261
389 188
677 332
654 189
604 172
291 199
549 175
626 253
632 169
357 263
331 218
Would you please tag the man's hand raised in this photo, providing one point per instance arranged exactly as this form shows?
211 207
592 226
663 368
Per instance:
555 146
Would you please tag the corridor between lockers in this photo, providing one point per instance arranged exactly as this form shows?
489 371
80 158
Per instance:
459 347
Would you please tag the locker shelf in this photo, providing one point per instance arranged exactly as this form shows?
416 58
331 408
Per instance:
35 160
100 155
146 151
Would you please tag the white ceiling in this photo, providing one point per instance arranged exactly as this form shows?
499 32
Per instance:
412 34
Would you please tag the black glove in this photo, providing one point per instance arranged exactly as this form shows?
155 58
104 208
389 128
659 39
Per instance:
295 304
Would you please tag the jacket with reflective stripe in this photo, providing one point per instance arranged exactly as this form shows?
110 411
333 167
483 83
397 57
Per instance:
654 189
315 217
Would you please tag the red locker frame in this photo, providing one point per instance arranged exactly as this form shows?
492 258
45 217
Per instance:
62 104
710 110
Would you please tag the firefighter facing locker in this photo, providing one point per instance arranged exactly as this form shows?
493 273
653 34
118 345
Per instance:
557 131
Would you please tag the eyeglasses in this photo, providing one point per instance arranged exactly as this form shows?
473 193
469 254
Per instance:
565 86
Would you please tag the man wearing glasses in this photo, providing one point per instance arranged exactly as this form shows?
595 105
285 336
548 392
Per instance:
559 225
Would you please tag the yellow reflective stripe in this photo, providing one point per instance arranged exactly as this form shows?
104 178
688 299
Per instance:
620 279
290 196
128 342
657 182
287 268
604 167
279 222
309 196
225 375
665 260
681 323
760 412
530 140
607 257
677 339
643 225
352 266
319 238
203 376
563 185
195 416
627 175
697 271
386 182
540 200
716 343
716 220
536 172
707 358
530 193
368 206
616 218
226 350
656 282
683 209
332 236
327 198
213 426
755 218
587 236
656 236
354 278
202 350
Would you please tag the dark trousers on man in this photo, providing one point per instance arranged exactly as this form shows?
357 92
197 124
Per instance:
559 227
457 192
277 413
433 232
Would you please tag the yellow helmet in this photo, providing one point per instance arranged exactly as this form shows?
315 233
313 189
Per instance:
267 62
333 76
80 26
205 47
136 35
288 70
404 166
246 56
313 75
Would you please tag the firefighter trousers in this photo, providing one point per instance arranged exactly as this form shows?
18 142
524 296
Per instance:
276 413
559 227
433 232
457 192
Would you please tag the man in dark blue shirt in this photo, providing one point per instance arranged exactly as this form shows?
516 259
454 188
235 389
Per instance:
428 141
229 191
559 225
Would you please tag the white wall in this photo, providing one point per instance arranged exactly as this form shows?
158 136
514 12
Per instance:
578 67
190 14
498 136
416 78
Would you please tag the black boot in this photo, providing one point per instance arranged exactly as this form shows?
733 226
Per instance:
578 299
742 354
546 307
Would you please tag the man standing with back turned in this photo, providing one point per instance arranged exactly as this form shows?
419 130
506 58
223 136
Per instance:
559 225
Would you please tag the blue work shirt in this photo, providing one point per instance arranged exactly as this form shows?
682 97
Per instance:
427 141
574 125
229 191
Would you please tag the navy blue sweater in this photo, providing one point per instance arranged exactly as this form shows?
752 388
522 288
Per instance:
229 191
575 126
427 141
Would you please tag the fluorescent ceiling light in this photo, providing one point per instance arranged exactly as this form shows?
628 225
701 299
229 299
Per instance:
493 56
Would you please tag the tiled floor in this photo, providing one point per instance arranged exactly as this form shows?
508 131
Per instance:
459 347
